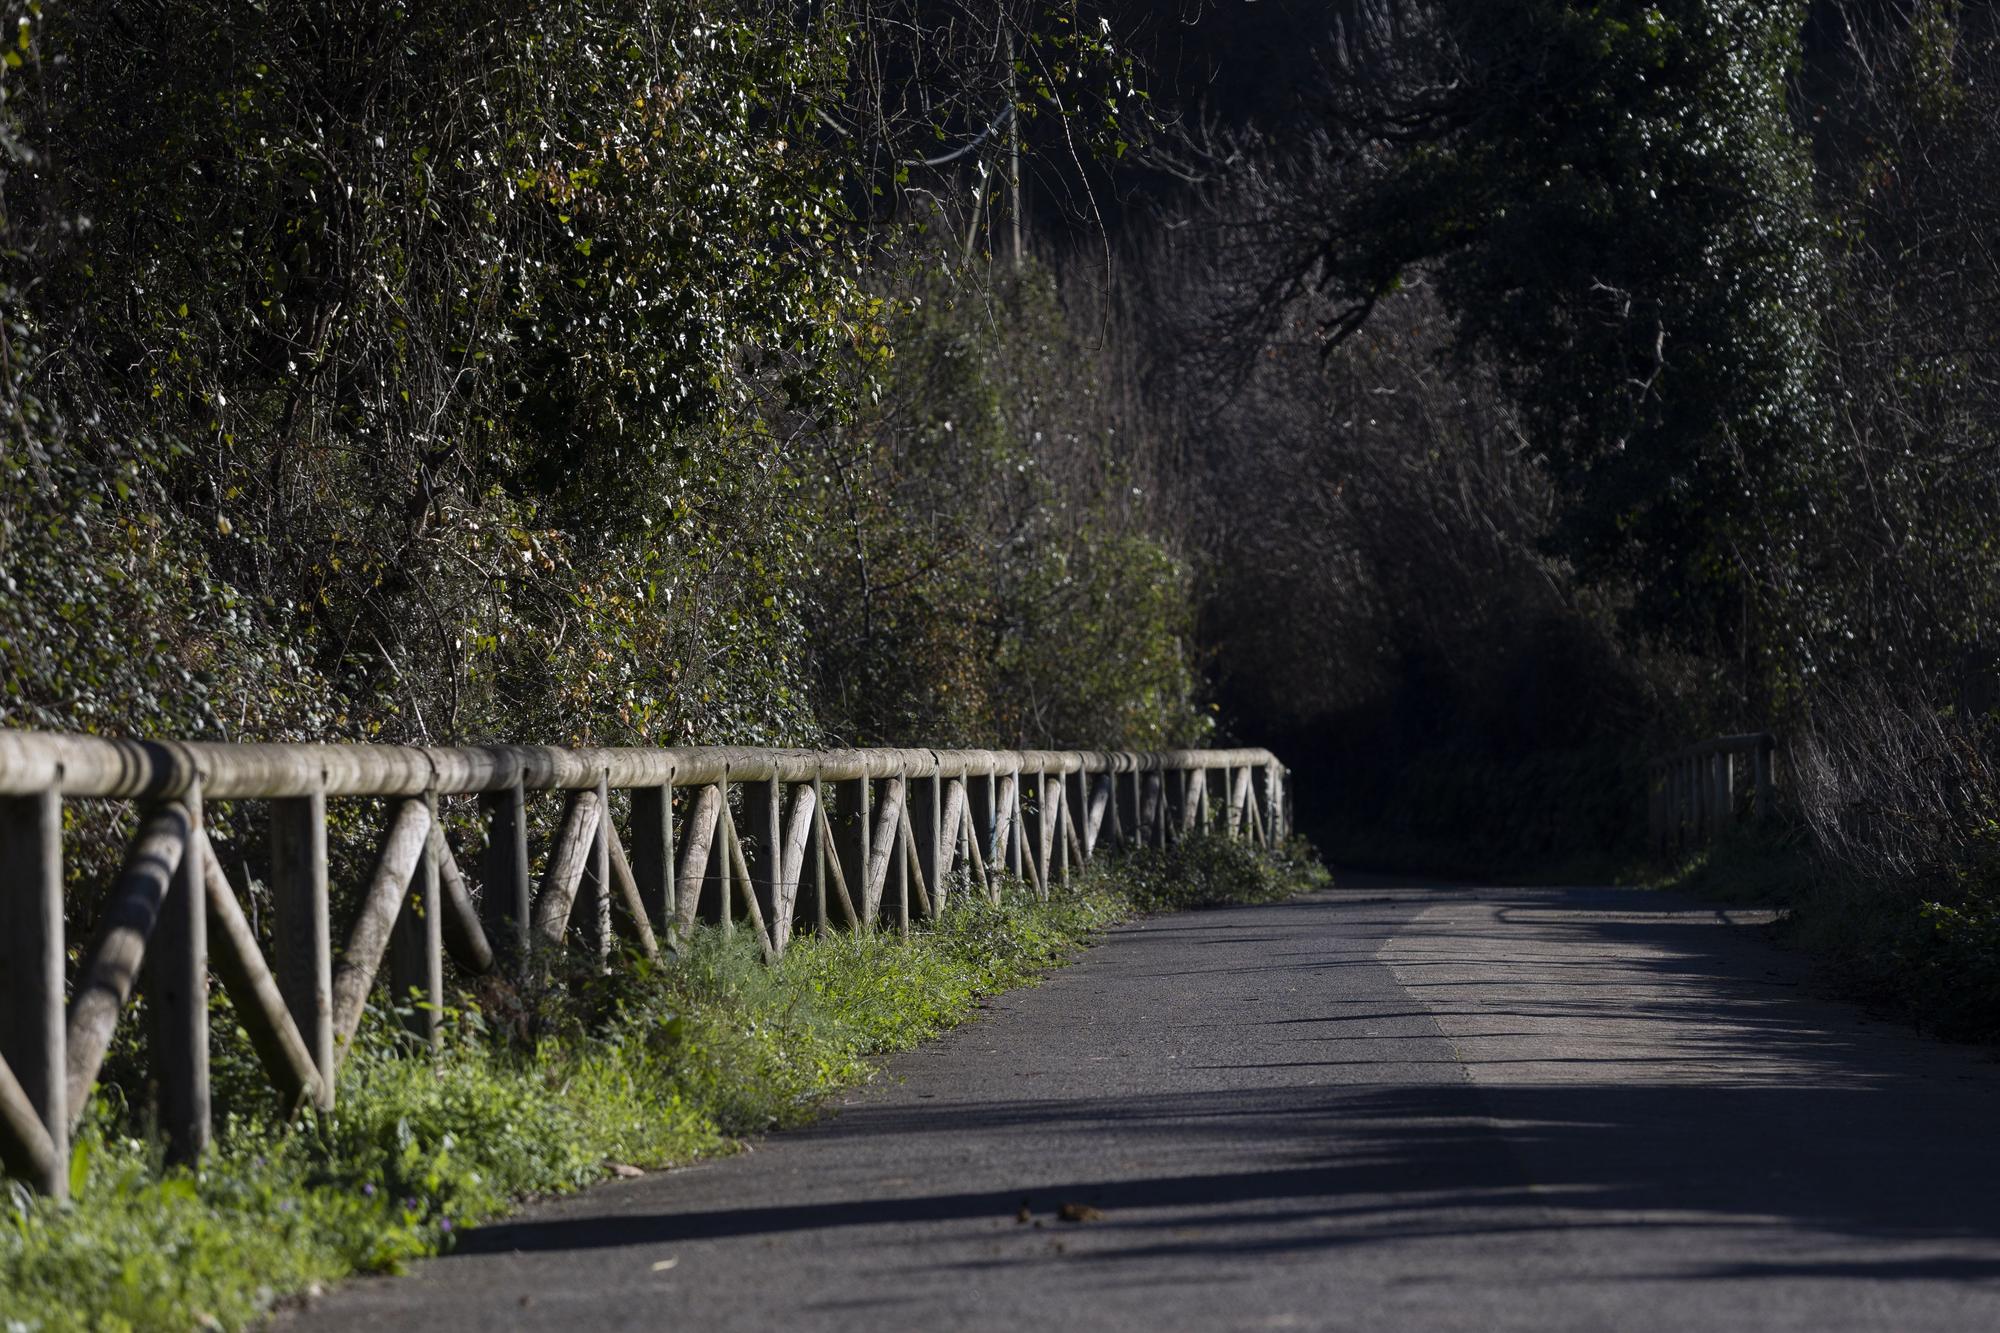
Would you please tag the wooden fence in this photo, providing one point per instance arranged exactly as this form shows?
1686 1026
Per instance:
1698 791
771 841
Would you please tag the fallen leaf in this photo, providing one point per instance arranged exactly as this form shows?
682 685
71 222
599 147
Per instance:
1079 1212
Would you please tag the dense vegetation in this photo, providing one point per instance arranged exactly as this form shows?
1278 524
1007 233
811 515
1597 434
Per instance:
598 372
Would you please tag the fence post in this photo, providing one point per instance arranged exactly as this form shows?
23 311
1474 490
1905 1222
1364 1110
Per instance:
31 969
969 855
416 945
698 849
851 821
1277 786
1016 850
1078 796
764 817
653 851
1053 789
926 808
1270 811
1111 825
1034 818
899 862
1718 793
507 896
980 809
1722 766
820 851
304 941
176 971
597 923
1095 809
1049 798
719 867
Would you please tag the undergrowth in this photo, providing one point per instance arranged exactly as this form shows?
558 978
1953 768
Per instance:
652 1066
1923 949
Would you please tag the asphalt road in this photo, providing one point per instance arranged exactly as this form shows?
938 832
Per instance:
1380 1108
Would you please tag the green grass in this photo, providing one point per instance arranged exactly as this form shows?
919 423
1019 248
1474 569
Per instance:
540 1094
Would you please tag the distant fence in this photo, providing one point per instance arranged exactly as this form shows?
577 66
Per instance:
847 839
1698 791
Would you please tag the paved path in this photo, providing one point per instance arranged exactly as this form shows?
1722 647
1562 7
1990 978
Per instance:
1380 1108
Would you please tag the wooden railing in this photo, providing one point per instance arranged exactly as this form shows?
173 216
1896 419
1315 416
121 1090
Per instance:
839 839
1698 791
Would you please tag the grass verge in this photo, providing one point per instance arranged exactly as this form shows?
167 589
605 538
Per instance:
1925 951
537 1095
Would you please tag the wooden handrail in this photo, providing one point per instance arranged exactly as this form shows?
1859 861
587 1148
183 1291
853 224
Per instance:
33 762
881 829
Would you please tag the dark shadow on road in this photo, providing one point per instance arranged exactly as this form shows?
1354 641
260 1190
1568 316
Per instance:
1875 1164
1858 1138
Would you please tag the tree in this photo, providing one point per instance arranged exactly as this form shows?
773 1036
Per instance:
1617 212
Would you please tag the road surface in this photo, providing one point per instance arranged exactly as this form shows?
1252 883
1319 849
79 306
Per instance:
1379 1108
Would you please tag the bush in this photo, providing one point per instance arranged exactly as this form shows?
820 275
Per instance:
1214 871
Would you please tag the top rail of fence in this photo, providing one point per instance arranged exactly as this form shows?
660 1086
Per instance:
1748 742
74 765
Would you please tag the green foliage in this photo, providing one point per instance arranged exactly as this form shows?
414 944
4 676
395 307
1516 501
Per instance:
651 1067
1619 216
510 373
997 570
428 387
1215 871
